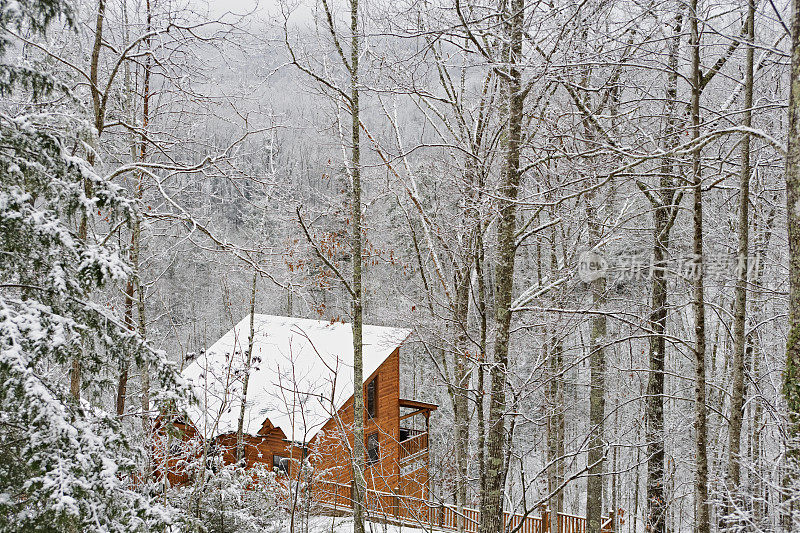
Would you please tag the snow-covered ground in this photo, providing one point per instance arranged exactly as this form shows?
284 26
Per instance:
327 524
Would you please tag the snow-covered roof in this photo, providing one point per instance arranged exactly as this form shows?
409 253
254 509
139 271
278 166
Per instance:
301 373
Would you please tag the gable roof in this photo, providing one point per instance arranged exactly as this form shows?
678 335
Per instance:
301 373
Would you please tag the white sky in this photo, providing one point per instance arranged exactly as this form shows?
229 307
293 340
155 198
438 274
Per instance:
258 10
218 7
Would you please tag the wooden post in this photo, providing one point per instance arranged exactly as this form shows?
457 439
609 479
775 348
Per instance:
545 520
429 481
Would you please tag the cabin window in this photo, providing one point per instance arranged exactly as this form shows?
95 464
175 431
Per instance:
373 449
372 398
280 464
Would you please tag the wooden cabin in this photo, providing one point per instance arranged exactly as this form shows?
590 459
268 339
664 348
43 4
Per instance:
298 422
299 407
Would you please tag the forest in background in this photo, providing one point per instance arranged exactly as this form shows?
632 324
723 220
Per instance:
579 207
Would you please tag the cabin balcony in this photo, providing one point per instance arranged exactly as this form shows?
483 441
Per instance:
413 437
412 443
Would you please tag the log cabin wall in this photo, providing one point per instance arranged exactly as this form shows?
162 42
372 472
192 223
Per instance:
258 449
332 458
172 454
329 454
330 449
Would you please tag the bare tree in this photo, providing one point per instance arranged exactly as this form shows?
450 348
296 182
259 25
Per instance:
791 380
743 258
702 520
496 466
665 210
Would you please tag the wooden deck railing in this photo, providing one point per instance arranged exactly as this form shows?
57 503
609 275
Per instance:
416 443
423 514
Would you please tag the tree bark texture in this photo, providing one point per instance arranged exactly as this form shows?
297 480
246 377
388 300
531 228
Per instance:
491 520
702 520
740 298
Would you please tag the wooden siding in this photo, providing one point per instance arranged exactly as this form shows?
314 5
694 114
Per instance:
331 448
173 453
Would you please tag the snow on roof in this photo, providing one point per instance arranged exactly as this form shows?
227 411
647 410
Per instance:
301 373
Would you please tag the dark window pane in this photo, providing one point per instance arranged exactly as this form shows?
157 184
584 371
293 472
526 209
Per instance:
281 464
372 398
373 449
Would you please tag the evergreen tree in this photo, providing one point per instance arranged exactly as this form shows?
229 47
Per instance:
65 464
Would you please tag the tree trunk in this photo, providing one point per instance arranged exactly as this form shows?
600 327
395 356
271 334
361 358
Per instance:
246 380
656 499
145 369
791 377
358 302
83 228
555 429
491 520
480 387
595 451
663 218
740 303
137 239
595 459
460 391
122 384
702 521
753 354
